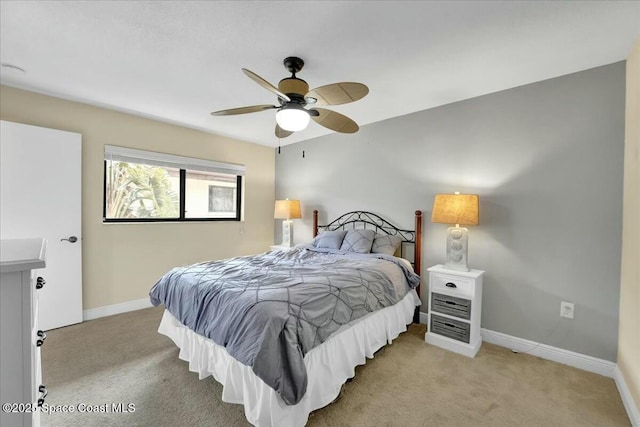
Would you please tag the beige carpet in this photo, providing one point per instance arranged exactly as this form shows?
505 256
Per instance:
122 359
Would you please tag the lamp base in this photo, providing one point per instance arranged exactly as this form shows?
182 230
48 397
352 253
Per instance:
457 238
287 233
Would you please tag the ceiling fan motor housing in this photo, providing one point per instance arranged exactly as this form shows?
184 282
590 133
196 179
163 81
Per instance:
293 86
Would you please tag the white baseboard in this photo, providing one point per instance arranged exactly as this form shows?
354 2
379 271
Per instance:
627 399
555 354
424 318
110 310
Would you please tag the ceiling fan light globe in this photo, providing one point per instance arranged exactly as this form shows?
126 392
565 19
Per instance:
292 119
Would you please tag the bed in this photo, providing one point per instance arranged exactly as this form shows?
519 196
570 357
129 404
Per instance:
283 331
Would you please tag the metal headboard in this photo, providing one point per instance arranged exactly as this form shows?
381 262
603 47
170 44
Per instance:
371 221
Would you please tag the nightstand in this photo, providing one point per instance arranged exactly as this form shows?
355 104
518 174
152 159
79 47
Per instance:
455 304
280 248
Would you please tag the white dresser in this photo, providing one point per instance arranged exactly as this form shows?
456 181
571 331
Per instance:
21 389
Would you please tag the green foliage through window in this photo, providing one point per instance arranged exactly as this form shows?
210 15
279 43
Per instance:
141 191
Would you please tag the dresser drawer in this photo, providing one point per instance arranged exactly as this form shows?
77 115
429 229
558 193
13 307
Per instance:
454 329
453 306
444 282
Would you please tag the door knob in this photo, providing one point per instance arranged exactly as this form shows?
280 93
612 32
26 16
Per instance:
71 239
42 336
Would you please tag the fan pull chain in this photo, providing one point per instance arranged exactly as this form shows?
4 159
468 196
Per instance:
303 154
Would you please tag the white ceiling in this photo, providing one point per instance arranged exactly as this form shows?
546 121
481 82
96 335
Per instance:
177 61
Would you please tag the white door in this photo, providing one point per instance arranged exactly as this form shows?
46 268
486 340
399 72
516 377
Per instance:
40 196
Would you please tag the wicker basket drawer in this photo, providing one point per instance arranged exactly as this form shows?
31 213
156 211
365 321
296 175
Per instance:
453 306
450 328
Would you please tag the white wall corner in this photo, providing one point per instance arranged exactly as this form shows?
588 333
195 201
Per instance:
110 310
629 404
555 354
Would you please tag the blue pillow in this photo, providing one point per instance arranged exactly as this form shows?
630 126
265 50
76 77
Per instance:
329 239
359 241
385 244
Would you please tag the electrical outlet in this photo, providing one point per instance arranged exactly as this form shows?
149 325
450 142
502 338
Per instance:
566 309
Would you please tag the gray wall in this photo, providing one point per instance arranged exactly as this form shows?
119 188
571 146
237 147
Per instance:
547 162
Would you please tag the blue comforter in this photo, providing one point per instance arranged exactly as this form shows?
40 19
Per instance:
269 310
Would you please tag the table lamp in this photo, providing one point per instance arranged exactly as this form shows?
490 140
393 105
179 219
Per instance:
458 209
287 210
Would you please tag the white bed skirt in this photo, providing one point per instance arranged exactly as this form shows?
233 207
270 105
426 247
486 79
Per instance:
328 366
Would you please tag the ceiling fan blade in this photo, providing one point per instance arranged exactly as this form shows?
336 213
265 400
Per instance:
265 84
281 133
243 110
338 93
335 121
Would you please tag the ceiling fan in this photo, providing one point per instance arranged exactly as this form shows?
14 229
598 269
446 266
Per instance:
297 104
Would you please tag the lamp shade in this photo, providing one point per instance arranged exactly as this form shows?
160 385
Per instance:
287 209
455 209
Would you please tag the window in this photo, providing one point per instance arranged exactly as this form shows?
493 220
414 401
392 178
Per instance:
143 186
211 195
